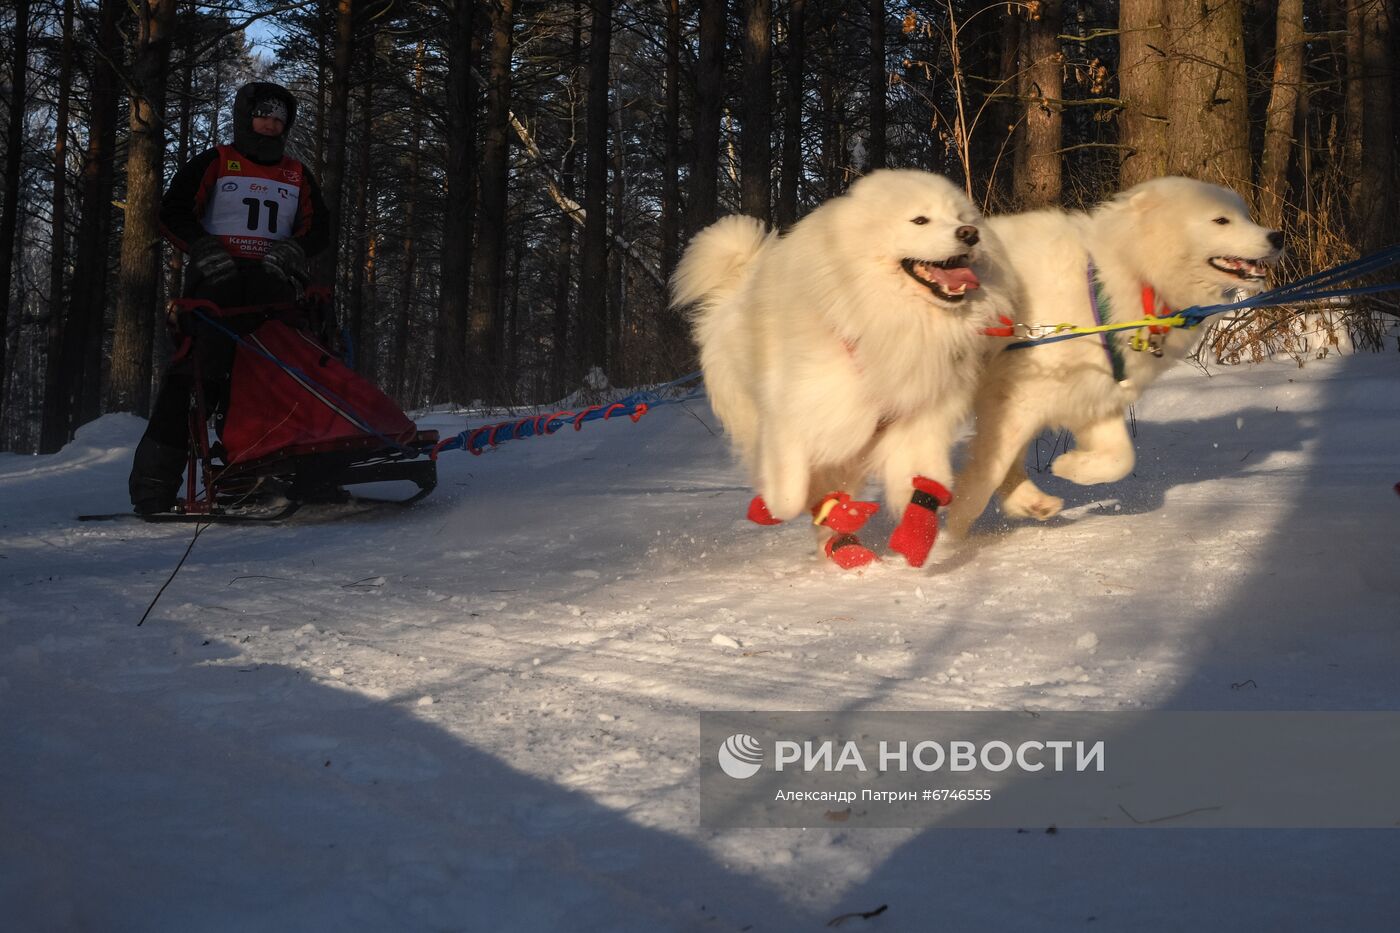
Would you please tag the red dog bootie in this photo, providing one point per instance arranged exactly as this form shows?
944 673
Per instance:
848 552
845 516
758 512
918 529
842 514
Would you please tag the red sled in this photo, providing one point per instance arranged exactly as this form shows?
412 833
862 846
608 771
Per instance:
296 420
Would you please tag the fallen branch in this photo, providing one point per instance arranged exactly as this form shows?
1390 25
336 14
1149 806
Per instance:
198 530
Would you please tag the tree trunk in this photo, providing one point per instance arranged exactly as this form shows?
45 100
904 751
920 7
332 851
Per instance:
14 158
53 426
674 343
1006 130
1354 106
398 359
563 264
450 372
138 276
511 349
670 177
337 125
563 260
755 158
833 152
87 303
318 158
176 260
592 290
790 187
1282 114
709 102
1039 176
617 360
879 80
1142 86
362 334
1207 105
488 269
1373 192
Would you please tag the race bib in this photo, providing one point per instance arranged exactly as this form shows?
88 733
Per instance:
247 212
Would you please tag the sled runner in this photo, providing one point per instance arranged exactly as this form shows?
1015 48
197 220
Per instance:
296 424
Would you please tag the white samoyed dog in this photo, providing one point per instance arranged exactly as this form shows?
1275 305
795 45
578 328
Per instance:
848 347
1163 245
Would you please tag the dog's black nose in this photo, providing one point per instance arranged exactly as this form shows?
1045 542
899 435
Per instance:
1276 239
967 233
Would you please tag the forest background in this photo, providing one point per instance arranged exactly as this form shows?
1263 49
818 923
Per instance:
511 182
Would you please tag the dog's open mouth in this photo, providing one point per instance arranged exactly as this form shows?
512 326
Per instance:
948 279
1248 269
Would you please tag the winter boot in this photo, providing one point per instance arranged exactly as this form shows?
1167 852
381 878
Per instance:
918 529
155 476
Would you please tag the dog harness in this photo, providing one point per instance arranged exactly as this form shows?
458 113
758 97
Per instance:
1098 303
1152 338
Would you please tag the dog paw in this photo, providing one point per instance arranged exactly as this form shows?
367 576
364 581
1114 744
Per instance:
1088 469
1031 503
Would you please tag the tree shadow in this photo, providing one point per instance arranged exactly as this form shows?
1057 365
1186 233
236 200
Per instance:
1217 448
1308 625
251 797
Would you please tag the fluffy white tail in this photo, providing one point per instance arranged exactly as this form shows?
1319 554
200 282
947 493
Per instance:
713 264
710 277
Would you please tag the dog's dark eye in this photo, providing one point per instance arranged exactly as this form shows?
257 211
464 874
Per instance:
920 220
1221 220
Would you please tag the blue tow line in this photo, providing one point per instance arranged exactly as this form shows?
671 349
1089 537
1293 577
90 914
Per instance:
1314 287
475 440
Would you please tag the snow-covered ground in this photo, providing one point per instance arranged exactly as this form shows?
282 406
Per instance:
478 713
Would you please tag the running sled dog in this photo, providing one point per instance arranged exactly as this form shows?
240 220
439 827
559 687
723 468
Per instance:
1169 243
846 348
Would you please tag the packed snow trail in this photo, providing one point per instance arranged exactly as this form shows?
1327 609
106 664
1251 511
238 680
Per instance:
477 713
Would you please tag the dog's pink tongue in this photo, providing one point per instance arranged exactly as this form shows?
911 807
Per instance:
951 279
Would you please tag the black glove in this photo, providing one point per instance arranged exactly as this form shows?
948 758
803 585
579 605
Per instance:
287 260
215 265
